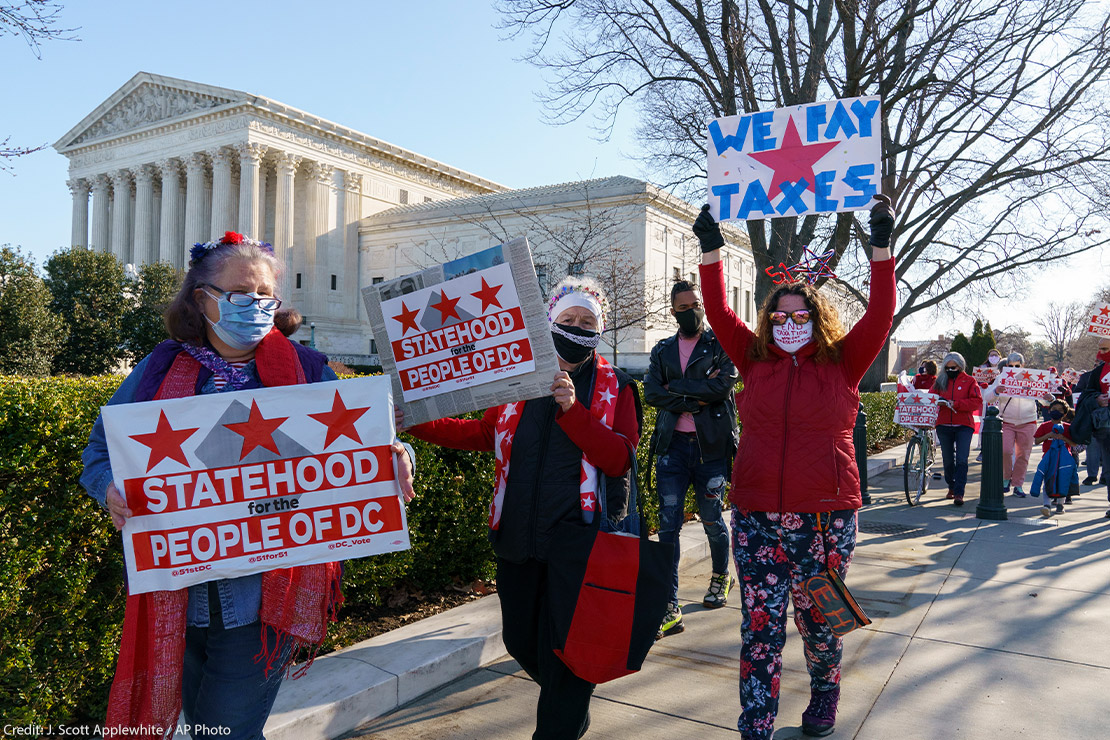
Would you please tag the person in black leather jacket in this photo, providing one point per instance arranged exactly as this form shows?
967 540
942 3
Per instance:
690 380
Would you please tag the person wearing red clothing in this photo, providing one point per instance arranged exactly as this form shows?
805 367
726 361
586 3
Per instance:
548 451
959 397
926 376
795 486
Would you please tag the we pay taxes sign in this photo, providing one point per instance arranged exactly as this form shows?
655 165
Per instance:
228 484
813 158
458 333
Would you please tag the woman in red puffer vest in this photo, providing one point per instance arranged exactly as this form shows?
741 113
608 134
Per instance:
795 486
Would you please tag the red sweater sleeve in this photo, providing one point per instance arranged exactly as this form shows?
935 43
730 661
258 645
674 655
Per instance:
606 448
974 400
460 434
733 334
867 337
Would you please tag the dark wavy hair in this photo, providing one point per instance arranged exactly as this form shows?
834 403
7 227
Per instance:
827 331
183 318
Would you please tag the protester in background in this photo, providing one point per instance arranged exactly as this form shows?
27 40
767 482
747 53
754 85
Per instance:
1094 459
993 358
1058 427
926 376
795 487
1098 381
589 428
690 381
959 397
1019 422
217 651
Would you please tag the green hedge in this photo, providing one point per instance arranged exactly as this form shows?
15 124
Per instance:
879 408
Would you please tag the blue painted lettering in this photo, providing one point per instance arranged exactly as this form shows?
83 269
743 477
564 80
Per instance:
725 193
755 198
761 131
792 197
815 116
864 113
736 141
858 178
821 199
840 121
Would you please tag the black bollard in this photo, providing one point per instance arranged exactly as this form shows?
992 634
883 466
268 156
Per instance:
991 504
859 441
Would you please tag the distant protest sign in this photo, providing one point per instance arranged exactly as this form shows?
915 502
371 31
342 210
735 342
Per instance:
228 484
1025 382
812 158
984 374
464 335
1099 325
916 409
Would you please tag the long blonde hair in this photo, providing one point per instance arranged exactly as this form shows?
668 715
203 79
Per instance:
827 330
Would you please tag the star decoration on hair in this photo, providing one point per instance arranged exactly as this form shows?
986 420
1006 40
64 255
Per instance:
230 238
813 266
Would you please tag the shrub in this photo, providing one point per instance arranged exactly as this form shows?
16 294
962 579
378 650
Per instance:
879 408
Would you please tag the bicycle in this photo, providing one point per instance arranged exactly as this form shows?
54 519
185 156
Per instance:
918 466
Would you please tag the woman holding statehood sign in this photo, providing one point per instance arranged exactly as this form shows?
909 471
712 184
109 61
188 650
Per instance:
546 451
216 652
795 487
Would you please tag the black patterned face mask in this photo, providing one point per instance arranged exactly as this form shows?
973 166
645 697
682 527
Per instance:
573 344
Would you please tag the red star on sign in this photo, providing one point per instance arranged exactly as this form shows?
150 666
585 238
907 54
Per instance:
1040 376
257 431
793 160
1104 311
488 296
407 317
165 441
340 421
1026 375
446 307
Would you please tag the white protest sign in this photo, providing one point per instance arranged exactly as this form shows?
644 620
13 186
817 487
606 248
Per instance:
1026 382
228 484
984 374
916 409
812 158
1099 325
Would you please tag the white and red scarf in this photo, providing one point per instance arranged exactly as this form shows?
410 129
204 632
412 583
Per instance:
603 407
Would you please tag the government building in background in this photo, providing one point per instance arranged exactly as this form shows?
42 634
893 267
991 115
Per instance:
164 163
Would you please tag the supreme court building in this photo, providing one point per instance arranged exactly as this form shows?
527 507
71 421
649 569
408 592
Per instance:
164 163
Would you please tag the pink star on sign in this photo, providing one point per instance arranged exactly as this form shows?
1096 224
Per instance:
793 160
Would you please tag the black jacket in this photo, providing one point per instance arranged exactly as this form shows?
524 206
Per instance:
718 433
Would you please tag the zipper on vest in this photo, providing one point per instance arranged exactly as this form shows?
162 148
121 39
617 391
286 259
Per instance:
545 433
785 426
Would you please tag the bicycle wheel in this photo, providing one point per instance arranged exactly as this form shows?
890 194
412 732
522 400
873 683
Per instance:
912 471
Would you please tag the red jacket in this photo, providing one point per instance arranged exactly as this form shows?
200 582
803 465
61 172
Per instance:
965 396
796 450
923 382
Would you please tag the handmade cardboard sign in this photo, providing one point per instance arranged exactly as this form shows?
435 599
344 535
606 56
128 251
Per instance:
984 374
812 158
1099 325
916 409
228 484
1026 382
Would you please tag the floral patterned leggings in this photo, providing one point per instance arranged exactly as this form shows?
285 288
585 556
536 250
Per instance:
774 553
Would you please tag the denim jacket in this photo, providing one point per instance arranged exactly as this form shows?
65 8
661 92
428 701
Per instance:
240 598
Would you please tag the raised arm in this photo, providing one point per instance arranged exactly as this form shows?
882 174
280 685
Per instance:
868 336
734 335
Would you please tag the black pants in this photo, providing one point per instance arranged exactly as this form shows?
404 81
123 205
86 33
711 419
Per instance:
564 706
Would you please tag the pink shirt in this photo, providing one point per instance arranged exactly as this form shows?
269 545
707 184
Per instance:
686 346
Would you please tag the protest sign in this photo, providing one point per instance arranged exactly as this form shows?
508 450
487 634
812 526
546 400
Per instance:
1025 382
916 409
1099 325
984 374
1071 375
228 484
812 158
465 335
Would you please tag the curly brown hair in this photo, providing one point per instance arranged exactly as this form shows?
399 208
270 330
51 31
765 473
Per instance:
827 330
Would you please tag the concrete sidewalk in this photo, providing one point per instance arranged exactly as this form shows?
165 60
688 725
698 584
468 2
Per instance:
981 629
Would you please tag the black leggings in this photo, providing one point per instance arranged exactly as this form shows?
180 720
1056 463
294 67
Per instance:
564 706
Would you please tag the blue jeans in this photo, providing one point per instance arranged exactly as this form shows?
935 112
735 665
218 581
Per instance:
675 471
224 687
955 444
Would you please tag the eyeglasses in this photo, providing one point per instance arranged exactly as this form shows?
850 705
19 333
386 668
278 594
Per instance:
778 318
236 298
1013 366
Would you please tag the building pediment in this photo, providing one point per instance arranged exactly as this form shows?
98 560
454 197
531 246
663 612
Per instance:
145 100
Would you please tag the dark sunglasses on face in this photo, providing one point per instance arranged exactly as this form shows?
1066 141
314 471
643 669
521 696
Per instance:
778 318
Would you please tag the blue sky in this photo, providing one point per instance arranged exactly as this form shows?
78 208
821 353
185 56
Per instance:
434 77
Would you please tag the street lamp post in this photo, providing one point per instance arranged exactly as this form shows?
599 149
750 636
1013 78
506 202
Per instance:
312 337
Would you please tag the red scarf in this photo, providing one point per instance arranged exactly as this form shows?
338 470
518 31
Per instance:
603 406
297 602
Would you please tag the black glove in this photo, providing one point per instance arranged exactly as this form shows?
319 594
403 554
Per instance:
881 222
708 231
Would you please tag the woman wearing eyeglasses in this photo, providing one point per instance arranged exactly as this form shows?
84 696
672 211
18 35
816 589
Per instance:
217 651
795 486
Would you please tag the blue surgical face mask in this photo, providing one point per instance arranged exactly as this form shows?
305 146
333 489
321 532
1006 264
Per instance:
1055 414
241 327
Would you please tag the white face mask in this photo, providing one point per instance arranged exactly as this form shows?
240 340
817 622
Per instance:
791 337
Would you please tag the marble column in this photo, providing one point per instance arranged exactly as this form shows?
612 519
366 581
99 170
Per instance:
196 230
352 214
222 219
121 215
79 234
317 232
144 251
286 170
250 211
171 240
98 239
